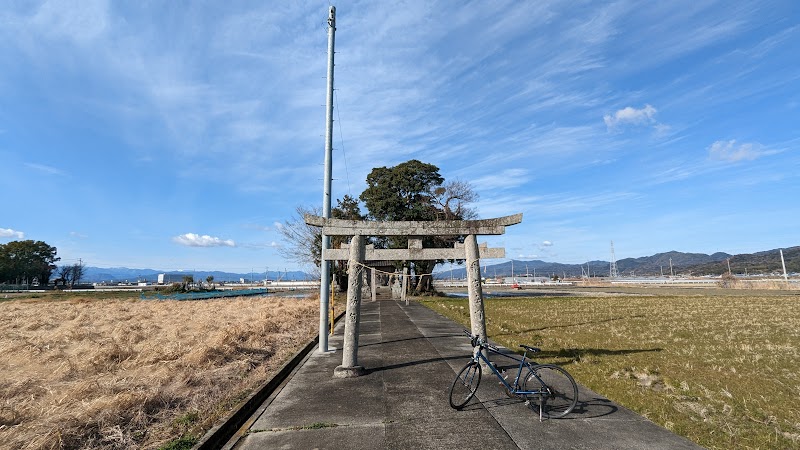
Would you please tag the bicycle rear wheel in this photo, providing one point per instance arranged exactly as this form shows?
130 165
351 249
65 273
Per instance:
465 385
556 393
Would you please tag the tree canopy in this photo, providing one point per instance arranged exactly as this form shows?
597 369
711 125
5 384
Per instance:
402 192
414 190
410 191
23 261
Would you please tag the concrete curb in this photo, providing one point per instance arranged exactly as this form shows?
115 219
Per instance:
219 435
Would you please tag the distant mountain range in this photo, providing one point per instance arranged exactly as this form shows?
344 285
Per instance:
760 263
124 274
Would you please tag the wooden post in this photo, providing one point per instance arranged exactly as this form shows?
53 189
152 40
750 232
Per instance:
350 367
374 284
404 284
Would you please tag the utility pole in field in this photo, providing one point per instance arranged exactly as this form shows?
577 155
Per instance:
783 263
325 278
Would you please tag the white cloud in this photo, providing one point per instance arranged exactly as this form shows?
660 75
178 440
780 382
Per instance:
731 152
196 240
9 233
631 116
76 234
547 244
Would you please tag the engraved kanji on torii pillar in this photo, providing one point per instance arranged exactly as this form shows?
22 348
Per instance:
357 254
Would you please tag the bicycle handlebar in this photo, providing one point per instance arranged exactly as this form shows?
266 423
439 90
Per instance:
477 341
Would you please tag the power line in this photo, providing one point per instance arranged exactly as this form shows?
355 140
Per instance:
341 139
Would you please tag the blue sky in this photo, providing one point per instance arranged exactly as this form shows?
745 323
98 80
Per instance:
178 135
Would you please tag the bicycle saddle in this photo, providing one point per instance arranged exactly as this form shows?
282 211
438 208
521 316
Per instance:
530 349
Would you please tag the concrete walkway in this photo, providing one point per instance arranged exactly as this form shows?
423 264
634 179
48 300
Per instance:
412 355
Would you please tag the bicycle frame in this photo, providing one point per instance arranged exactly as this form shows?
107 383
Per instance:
478 356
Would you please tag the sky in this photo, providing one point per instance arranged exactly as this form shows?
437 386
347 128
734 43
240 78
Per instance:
182 135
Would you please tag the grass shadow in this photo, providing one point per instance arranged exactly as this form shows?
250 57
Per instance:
571 355
592 322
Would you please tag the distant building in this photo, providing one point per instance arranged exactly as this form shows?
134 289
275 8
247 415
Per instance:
161 278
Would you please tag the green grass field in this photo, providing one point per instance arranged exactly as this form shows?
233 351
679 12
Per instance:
721 370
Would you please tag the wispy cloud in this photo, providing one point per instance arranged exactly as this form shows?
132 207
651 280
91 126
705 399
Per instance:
258 245
256 226
551 205
60 19
45 169
13 234
196 240
78 235
508 178
730 151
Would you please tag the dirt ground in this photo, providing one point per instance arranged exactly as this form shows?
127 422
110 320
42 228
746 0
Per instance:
94 372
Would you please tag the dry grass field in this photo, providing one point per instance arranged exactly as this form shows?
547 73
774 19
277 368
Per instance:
723 371
93 372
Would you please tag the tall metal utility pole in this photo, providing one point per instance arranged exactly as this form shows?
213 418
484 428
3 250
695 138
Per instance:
325 276
613 272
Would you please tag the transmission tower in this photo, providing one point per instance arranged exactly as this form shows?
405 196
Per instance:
613 272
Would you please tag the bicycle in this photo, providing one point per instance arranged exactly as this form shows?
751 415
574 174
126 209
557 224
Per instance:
548 385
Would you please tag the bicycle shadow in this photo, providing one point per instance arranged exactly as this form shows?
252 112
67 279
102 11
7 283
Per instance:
591 408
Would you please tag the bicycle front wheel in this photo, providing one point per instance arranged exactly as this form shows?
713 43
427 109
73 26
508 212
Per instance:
554 390
465 385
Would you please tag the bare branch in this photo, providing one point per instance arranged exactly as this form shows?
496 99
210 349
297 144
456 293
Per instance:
453 198
303 243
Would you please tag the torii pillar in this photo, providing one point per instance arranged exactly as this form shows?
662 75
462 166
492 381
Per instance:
477 316
350 367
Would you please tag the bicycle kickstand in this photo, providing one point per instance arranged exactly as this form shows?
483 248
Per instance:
541 407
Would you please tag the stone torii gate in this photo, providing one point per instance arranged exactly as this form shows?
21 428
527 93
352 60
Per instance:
357 254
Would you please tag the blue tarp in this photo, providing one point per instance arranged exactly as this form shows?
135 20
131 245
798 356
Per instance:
205 295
